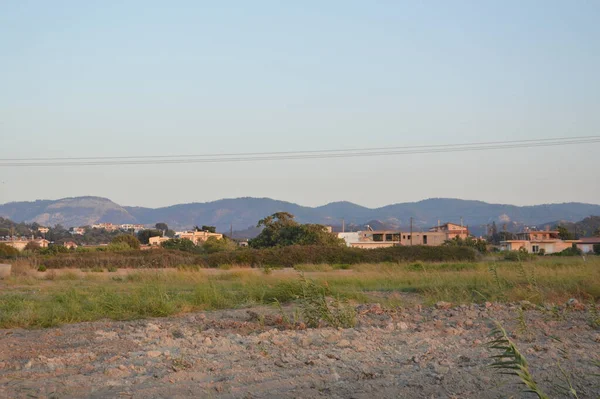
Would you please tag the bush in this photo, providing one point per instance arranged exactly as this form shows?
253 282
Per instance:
181 244
573 251
130 240
32 246
54 249
299 254
597 249
154 259
118 247
8 252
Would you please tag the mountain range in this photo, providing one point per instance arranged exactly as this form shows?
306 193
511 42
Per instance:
244 213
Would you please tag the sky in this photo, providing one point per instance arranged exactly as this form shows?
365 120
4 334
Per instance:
142 77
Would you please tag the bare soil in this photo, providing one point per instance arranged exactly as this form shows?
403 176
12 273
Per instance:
251 353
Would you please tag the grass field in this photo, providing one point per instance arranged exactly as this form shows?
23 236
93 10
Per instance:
32 299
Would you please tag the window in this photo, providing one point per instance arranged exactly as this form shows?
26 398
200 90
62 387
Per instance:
535 249
404 237
388 237
377 237
396 237
424 240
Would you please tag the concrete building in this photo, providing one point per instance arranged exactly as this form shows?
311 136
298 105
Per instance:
70 245
198 236
451 230
538 241
156 241
21 243
78 231
586 244
389 238
43 230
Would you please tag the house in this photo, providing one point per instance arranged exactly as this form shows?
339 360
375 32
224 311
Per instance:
106 226
43 230
452 230
78 231
390 238
21 243
538 241
70 245
157 240
198 236
134 227
586 244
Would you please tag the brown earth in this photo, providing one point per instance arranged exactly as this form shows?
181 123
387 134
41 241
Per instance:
248 353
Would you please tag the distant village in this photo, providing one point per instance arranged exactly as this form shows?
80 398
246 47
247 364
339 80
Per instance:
532 241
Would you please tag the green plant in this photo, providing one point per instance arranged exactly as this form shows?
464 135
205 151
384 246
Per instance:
130 240
315 308
594 315
41 268
511 361
112 269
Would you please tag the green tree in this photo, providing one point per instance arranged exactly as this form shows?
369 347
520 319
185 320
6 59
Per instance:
597 249
479 245
213 244
181 244
564 233
8 252
32 246
210 229
161 226
280 229
130 240
145 235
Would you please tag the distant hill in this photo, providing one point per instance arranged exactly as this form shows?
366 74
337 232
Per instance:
69 212
244 213
583 228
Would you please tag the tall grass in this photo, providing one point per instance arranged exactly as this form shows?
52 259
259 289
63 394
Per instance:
36 300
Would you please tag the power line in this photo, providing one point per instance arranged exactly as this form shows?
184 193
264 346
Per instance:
299 152
296 155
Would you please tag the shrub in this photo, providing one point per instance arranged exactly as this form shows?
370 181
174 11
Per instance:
181 244
120 259
295 255
41 268
8 252
130 240
118 246
597 249
573 251
32 246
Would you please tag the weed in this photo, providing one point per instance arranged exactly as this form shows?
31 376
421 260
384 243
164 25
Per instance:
593 314
522 322
284 317
112 269
315 308
42 268
566 388
511 361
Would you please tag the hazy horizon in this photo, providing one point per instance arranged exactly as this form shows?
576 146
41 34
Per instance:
82 79
298 203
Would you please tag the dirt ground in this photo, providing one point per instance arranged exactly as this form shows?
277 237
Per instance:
248 353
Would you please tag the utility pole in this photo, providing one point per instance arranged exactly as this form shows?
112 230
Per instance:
231 231
411 231
343 226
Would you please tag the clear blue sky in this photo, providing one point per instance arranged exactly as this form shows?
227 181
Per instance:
139 77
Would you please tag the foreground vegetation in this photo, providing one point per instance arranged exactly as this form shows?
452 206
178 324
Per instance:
33 299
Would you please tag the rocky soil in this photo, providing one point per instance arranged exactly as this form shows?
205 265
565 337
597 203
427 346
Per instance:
250 353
